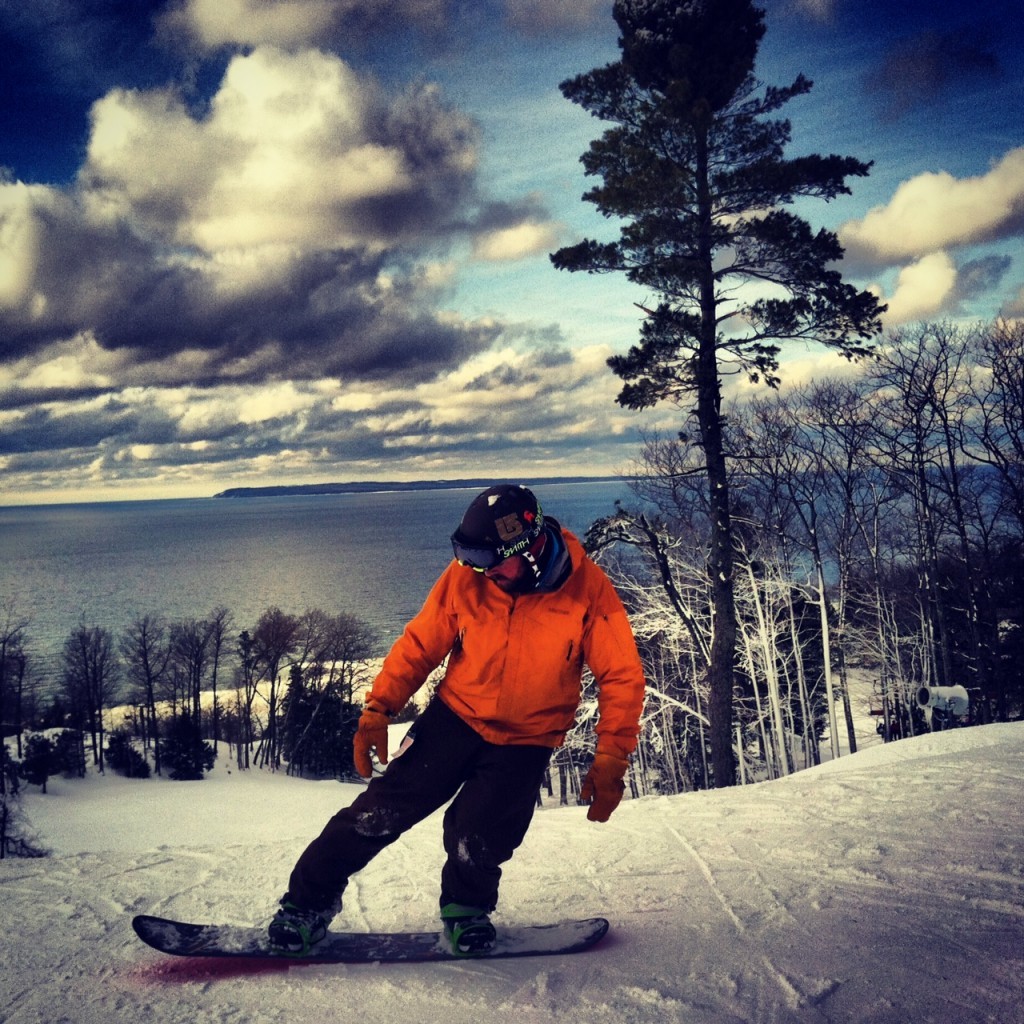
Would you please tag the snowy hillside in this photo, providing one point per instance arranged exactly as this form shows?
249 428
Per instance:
885 887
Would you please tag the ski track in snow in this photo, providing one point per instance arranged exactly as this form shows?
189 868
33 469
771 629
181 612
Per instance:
887 887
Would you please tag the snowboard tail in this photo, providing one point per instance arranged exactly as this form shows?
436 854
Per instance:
180 938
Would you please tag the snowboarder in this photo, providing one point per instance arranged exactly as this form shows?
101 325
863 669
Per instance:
517 613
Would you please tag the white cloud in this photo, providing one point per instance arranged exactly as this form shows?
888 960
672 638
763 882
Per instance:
814 364
517 242
77 364
937 211
355 400
214 23
297 226
923 289
210 24
274 401
290 151
19 243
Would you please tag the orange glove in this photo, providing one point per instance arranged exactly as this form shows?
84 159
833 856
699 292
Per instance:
603 786
371 735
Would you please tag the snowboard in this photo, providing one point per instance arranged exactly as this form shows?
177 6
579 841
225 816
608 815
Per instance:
182 939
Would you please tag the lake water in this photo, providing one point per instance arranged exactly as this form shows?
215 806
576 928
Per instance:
371 555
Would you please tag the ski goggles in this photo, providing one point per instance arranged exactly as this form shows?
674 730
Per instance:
473 555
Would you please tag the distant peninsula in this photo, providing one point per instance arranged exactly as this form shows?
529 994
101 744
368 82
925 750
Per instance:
372 486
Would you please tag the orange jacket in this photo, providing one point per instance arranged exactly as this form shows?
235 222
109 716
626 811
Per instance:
515 665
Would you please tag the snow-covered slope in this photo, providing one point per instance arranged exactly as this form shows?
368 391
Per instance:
885 887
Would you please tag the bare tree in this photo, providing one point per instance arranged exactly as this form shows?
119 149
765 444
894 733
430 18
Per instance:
146 652
248 677
928 411
91 677
190 657
13 667
274 638
220 621
328 664
995 435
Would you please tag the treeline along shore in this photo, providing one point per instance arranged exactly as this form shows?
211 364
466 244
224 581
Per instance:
371 486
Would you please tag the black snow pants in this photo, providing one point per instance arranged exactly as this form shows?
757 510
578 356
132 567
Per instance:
495 789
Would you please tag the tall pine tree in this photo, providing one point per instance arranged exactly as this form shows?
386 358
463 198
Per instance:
694 173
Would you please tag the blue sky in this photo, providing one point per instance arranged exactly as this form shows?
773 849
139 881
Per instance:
260 241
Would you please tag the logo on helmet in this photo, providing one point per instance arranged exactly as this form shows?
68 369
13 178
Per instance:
509 527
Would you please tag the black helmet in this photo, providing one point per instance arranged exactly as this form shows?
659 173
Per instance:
503 521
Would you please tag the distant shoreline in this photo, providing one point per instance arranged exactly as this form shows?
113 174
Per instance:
366 486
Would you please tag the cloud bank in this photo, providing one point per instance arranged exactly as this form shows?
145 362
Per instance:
930 219
285 231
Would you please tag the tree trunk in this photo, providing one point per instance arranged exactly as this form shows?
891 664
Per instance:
723 643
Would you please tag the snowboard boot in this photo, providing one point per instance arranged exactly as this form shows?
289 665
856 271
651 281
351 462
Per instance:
295 931
468 929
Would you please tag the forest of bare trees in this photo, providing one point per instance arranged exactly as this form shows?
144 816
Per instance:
283 693
878 532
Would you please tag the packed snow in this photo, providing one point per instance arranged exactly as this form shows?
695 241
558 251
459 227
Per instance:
887 886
